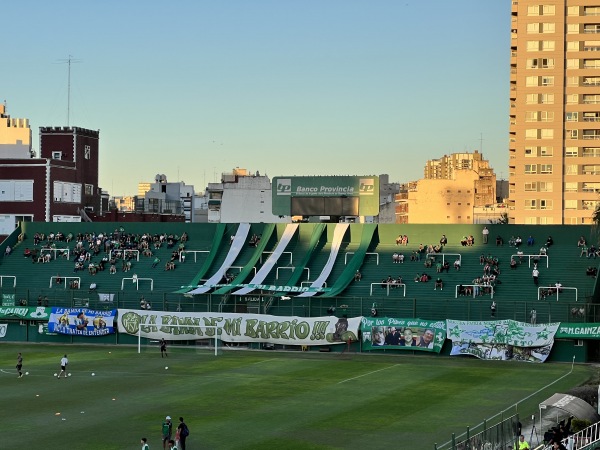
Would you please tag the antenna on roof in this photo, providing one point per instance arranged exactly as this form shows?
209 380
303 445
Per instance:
69 61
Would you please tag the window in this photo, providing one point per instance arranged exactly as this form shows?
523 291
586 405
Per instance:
591 63
530 220
572 99
548 27
547 63
545 168
548 10
533 46
571 152
531 116
591 81
548 46
591 99
572 134
530 204
56 155
546 151
571 187
570 204
591 169
591 151
591 116
591 29
591 134
531 133
547 133
533 10
532 63
530 151
531 99
533 28
531 81
546 204
591 11
572 64
547 81
87 151
571 117
89 189
591 46
573 46
545 186
573 28
590 187
573 81
547 116
530 168
547 99
571 169
572 10
530 187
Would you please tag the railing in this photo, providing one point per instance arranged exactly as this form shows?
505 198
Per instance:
55 251
530 257
283 253
136 280
292 268
56 277
352 253
240 268
388 287
557 291
14 278
475 292
580 440
194 252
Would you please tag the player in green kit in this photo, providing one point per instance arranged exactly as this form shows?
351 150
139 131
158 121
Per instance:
167 429
145 445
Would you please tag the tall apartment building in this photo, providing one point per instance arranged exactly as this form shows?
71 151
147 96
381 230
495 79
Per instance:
554 164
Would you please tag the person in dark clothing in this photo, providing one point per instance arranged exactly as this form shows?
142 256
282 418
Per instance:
184 432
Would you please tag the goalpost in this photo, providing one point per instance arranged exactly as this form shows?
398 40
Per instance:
210 333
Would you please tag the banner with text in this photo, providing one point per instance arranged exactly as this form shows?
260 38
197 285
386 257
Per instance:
502 339
24 312
81 322
578 331
379 333
285 330
264 287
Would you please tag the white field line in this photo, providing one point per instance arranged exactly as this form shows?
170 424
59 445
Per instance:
369 373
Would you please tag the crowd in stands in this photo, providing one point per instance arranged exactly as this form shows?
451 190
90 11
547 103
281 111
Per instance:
95 252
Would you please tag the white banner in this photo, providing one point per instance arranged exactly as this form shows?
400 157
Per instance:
3 328
290 330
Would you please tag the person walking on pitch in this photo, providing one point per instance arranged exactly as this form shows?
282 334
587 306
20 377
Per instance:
63 366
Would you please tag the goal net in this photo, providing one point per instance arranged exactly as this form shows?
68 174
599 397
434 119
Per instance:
199 337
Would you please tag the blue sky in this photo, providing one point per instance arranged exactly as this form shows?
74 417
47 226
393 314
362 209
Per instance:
192 89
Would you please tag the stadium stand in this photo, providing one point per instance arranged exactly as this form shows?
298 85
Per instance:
368 248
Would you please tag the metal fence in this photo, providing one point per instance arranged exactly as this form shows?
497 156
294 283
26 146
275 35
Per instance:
488 435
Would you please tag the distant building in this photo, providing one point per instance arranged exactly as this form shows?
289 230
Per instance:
170 198
554 156
60 185
143 187
241 197
453 189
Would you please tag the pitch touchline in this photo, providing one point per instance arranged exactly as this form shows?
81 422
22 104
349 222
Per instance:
369 373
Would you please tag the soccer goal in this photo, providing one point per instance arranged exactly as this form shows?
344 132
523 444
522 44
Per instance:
206 336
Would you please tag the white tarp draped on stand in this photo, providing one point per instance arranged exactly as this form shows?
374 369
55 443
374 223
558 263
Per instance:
236 247
338 235
260 276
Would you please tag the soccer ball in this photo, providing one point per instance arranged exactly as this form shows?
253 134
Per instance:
55 374
93 374
166 368
26 373
69 374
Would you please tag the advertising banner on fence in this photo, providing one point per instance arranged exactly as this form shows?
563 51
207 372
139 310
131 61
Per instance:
379 333
502 339
81 322
285 330
578 331
3 329
24 312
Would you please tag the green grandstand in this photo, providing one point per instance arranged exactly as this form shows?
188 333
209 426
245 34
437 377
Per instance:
368 248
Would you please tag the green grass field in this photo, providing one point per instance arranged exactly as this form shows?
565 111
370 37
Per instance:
257 399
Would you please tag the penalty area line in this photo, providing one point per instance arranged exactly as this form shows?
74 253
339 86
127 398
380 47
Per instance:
368 373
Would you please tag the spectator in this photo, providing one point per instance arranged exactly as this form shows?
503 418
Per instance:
581 242
438 283
457 264
443 240
549 242
485 234
493 308
8 251
530 241
499 241
399 239
513 263
535 274
357 276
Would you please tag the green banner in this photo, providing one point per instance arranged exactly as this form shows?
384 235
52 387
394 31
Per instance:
380 333
25 312
579 331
